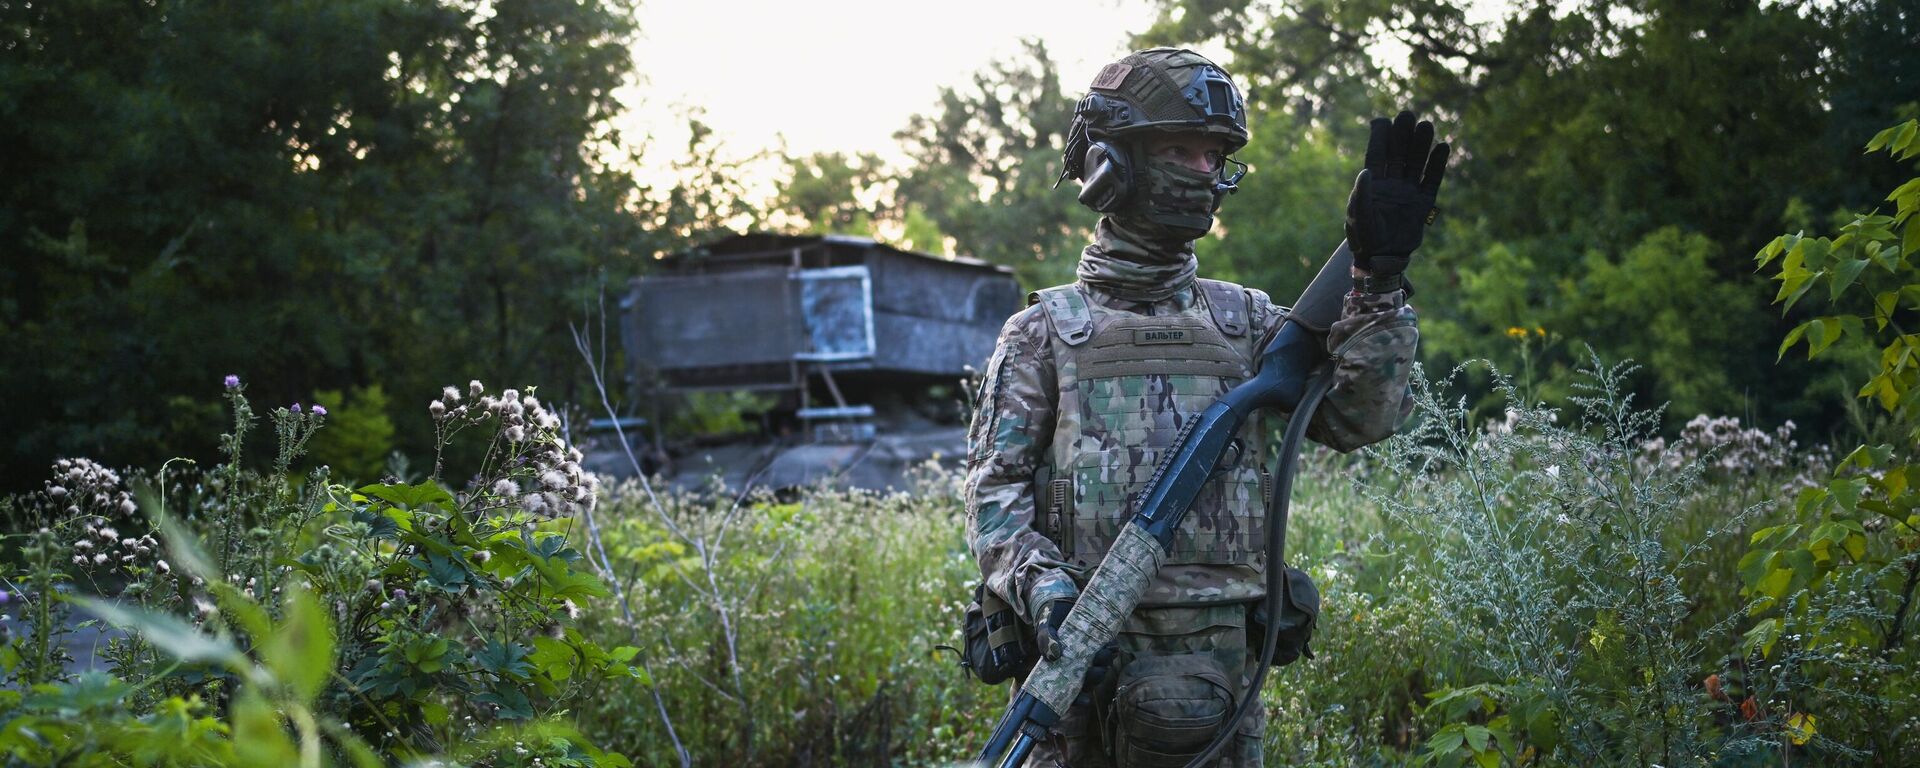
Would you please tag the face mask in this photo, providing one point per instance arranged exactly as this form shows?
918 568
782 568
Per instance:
1173 202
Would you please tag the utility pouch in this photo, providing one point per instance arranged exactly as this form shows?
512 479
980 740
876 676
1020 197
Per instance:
1299 612
1167 709
999 646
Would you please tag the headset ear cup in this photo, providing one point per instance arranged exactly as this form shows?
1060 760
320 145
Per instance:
1108 181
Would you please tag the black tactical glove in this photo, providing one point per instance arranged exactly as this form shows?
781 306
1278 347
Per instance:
1392 200
1047 636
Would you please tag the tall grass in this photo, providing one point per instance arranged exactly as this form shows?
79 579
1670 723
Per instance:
1551 588
793 631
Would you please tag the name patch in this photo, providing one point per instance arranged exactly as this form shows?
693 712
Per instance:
1162 336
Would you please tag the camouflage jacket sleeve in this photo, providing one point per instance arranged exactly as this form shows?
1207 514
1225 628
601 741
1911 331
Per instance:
1372 345
1012 429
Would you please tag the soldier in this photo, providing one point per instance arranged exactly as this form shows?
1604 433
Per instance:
1092 382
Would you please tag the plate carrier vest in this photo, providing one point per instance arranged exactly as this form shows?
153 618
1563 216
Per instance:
1127 383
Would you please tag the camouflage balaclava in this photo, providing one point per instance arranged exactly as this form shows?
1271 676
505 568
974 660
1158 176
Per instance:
1155 209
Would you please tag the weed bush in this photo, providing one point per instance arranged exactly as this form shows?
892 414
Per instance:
790 630
279 620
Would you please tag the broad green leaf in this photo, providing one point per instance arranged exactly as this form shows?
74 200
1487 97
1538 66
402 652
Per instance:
1846 492
1884 138
1800 289
564 582
171 635
1777 582
1762 637
411 496
1881 388
509 702
1844 274
1903 142
1858 457
1823 334
1755 565
1822 551
300 651
1856 546
507 660
1792 336
1809 498
1477 737
1801 563
552 657
1910 238
1447 740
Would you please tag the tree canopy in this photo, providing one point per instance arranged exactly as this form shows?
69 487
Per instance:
308 195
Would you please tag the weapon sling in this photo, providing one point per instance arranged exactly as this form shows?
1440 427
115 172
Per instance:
1292 376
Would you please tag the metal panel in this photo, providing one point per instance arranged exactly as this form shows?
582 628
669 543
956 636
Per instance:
919 345
729 319
837 306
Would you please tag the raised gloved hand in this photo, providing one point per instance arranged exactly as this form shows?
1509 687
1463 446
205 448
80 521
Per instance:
1046 635
1392 200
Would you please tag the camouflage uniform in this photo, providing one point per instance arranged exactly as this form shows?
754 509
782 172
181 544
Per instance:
1071 424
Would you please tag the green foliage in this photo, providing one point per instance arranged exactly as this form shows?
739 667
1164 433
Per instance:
712 414
195 179
301 623
824 193
790 631
1833 588
1274 233
982 169
1612 162
359 434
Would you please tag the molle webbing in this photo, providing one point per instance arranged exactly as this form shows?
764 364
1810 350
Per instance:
1127 383
1172 345
1158 92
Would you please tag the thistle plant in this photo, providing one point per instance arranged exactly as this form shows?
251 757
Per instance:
292 617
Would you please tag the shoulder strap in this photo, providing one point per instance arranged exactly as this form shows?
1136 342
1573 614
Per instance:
1228 302
1067 308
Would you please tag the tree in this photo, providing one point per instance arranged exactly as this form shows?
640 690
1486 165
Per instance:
1592 140
310 195
982 169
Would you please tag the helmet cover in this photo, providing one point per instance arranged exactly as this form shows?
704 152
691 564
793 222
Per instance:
1156 90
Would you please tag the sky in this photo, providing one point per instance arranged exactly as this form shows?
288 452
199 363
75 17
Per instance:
841 76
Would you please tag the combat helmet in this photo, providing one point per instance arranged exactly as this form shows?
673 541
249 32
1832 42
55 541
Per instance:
1155 90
